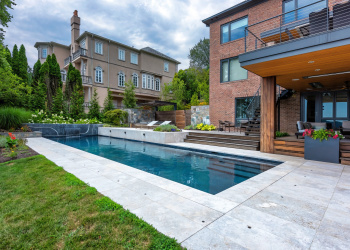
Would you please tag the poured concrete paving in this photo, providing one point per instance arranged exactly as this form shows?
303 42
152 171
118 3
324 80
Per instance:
298 204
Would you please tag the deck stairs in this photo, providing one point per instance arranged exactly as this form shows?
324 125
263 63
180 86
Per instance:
253 126
224 140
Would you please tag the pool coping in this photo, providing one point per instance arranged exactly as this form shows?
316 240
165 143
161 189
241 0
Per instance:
168 214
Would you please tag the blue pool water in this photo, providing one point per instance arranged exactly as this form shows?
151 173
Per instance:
207 172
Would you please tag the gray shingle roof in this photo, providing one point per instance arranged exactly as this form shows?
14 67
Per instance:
155 52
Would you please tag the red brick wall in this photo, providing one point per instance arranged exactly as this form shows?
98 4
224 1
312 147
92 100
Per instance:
222 95
290 113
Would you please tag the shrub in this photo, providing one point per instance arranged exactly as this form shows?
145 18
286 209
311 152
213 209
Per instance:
167 128
13 117
281 134
190 127
116 117
44 117
3 141
322 134
203 127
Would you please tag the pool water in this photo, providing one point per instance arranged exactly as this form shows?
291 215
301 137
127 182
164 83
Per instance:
207 172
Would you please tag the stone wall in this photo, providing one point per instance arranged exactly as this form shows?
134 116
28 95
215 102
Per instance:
200 114
51 130
140 115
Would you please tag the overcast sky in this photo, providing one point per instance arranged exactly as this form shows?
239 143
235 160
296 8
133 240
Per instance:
170 26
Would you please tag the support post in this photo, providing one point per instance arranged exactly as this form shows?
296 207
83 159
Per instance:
268 114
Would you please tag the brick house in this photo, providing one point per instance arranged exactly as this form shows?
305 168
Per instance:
282 39
105 63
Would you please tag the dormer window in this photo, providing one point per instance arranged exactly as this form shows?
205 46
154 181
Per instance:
44 53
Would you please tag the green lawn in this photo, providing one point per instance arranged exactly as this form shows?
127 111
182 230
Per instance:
42 206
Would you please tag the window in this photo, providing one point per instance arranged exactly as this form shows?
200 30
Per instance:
44 53
135 80
98 75
241 106
157 84
121 54
133 58
291 6
234 30
83 44
148 81
121 79
144 81
166 66
231 70
98 47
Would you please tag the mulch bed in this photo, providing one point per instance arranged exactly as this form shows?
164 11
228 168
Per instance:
20 154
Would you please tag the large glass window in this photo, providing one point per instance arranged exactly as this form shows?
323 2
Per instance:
121 79
293 6
98 75
241 106
231 70
234 30
327 105
341 105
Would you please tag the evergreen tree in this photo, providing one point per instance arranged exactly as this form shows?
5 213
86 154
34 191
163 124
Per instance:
69 82
129 99
22 64
94 109
45 79
15 62
108 102
38 97
8 56
36 72
76 109
57 104
55 73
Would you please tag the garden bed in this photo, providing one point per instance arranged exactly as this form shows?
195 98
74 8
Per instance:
21 153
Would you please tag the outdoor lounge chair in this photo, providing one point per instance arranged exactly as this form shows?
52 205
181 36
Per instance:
318 21
341 15
152 123
345 128
301 126
165 123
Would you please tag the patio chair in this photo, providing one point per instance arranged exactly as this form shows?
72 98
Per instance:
345 128
222 126
152 123
318 21
341 15
165 123
229 125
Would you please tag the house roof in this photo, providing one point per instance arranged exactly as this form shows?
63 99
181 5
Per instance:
231 11
37 44
157 53
146 49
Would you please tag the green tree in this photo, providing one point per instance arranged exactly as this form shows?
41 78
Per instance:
38 97
108 102
129 99
194 100
199 54
45 79
8 56
55 73
57 103
175 92
5 16
76 107
94 108
22 64
15 60
36 72
69 82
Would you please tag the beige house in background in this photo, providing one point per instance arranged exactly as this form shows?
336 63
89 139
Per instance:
105 63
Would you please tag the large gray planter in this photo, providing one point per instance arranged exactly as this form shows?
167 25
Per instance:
52 130
326 150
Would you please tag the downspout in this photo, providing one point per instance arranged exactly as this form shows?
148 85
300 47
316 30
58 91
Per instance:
108 62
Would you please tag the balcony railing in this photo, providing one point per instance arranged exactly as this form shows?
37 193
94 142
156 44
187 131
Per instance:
79 52
67 60
303 22
85 79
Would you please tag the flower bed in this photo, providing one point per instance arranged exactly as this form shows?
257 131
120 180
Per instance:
43 117
201 127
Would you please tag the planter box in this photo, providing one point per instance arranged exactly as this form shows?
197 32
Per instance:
327 151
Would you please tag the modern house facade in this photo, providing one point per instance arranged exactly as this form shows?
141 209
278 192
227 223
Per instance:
105 63
301 46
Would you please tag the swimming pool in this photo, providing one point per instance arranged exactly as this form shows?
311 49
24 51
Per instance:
208 172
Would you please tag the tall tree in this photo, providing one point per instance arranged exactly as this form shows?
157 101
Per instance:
57 103
5 16
94 108
45 79
199 54
69 82
76 106
55 73
8 56
15 62
36 72
129 99
22 64
108 102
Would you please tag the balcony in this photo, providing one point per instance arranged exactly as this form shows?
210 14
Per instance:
67 61
310 44
85 79
80 52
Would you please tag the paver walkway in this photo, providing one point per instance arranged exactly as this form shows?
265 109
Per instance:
298 204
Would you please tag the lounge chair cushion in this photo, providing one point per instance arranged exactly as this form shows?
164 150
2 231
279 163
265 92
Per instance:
307 125
319 125
346 125
300 125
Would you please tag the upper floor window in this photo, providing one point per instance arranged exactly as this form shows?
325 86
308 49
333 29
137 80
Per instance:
98 75
135 80
295 9
121 54
121 79
231 70
44 53
157 84
166 66
83 44
234 30
99 47
133 58
144 81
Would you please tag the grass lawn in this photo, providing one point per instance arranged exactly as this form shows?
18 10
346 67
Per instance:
42 206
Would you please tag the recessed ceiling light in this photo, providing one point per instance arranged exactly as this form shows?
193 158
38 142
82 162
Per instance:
309 89
311 61
317 69
296 79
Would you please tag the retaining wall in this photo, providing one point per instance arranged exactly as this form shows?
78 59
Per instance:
200 114
140 115
50 130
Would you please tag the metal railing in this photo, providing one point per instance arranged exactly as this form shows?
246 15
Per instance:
303 22
67 60
79 52
253 105
84 79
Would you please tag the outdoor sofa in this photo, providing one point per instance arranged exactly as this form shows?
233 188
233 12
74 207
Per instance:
301 126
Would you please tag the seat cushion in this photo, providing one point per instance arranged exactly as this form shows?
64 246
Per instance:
319 125
346 124
307 125
300 125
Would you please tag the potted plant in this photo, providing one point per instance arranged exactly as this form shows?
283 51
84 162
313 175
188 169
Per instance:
322 145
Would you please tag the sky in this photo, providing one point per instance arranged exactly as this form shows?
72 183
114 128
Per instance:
172 27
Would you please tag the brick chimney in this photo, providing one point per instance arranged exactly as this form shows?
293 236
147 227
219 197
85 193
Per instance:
75 32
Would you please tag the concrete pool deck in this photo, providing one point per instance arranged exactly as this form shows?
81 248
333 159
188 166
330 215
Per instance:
298 204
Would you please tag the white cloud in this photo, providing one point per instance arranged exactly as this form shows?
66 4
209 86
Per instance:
170 26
